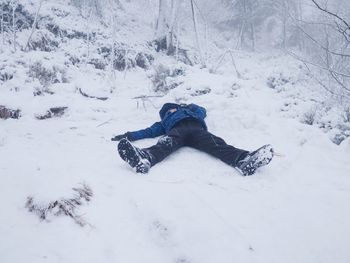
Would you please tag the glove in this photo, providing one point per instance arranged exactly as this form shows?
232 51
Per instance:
126 135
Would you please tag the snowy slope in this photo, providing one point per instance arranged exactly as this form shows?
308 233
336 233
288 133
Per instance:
191 207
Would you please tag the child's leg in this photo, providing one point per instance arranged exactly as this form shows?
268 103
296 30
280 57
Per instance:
215 146
164 147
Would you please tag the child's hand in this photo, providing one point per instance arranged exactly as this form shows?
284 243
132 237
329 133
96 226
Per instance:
122 136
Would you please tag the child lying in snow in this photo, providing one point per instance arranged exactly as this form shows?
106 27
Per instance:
183 125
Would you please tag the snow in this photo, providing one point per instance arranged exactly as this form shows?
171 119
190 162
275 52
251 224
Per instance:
191 207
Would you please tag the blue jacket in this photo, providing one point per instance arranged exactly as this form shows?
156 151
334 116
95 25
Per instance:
169 119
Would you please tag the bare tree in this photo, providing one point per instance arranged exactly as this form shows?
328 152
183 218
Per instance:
165 25
14 5
329 43
34 24
2 27
194 19
161 23
170 34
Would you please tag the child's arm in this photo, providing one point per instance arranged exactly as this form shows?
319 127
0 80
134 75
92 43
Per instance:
155 130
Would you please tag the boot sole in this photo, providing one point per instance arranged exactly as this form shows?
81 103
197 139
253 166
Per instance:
263 156
130 155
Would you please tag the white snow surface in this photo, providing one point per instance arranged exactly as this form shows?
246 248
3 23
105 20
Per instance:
189 208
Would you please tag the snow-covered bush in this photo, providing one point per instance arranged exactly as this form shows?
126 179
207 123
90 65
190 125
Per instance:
309 116
97 63
23 19
6 74
63 206
164 78
278 81
346 114
144 60
338 138
201 91
6 113
47 74
180 53
52 112
330 119
65 33
123 57
43 40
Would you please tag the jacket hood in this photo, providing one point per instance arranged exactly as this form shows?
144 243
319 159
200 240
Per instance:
166 107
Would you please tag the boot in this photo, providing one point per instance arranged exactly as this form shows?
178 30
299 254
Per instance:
135 157
254 160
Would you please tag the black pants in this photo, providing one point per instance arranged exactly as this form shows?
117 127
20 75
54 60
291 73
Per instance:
189 132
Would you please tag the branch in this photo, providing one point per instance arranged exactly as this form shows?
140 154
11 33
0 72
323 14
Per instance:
318 66
320 82
92 97
320 45
239 75
332 72
146 97
337 28
332 14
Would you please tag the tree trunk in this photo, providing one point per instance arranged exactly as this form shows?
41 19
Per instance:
14 30
161 21
252 27
196 33
284 26
252 32
34 24
2 29
170 33
300 34
244 22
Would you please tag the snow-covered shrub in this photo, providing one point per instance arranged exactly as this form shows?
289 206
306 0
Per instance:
55 29
201 91
59 12
47 74
75 60
343 132
63 206
160 44
23 19
6 113
180 53
346 114
41 91
124 57
164 78
144 60
338 138
62 33
309 116
121 60
52 112
43 40
277 81
6 74
98 63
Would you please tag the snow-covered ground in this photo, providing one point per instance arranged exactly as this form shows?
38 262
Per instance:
190 208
